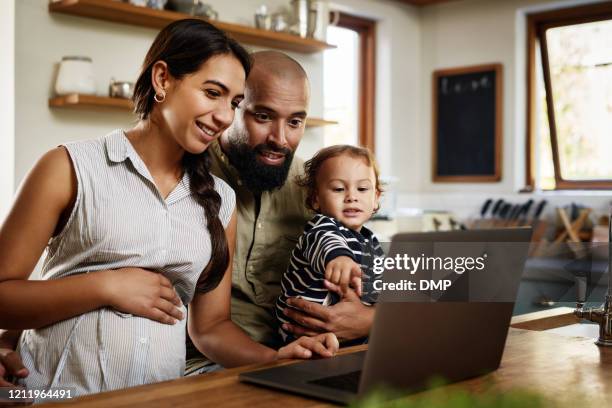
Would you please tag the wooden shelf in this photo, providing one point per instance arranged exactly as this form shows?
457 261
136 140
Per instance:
316 122
88 102
93 102
126 13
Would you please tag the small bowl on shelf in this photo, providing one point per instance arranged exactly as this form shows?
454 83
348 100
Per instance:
154 4
121 89
193 7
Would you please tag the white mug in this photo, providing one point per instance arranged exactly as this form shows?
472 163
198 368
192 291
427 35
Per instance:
322 13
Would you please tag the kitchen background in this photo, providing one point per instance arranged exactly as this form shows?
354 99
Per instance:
411 43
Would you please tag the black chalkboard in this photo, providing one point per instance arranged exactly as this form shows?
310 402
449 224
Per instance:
467 124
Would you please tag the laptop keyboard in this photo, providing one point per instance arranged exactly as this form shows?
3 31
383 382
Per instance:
345 382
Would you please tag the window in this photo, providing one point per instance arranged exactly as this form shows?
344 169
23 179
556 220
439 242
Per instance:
569 142
349 75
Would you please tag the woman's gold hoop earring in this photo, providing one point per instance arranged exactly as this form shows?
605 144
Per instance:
159 99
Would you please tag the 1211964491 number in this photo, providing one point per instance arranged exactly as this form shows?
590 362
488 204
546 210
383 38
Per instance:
20 394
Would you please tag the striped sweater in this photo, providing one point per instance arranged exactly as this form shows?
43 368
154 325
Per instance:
324 239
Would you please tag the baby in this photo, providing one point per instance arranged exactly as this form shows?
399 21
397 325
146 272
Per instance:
343 187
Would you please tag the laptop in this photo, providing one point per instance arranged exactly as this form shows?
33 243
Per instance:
412 341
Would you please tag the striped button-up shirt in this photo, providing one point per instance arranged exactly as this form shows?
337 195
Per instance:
120 220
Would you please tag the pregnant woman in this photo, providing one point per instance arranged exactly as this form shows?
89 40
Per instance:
135 229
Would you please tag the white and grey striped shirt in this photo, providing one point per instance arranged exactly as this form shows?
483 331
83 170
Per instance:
120 220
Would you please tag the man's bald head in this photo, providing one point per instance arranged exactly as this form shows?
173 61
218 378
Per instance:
274 69
276 64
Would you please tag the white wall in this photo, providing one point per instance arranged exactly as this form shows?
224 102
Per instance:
42 39
7 104
473 32
398 48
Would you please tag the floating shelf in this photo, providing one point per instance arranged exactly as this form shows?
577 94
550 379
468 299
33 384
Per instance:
88 102
92 102
126 13
317 122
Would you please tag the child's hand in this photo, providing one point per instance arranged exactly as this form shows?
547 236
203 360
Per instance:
342 271
144 293
325 345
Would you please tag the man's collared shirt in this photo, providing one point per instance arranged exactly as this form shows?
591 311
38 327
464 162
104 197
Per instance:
264 243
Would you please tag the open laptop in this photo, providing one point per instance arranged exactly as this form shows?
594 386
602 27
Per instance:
412 342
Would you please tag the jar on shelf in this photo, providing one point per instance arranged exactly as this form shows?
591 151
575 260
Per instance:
75 76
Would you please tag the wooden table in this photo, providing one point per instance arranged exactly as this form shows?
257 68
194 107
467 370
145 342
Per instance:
551 364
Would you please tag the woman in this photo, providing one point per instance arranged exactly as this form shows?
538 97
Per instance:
136 228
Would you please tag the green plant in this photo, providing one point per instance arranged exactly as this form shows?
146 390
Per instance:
455 397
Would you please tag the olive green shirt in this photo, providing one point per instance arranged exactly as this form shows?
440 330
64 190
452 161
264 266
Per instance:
264 242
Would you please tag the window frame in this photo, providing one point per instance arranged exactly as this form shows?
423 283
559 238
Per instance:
537 24
366 30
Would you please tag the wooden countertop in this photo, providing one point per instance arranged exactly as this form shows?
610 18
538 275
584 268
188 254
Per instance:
556 366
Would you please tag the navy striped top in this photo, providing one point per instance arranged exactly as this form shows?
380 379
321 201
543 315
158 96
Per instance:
324 239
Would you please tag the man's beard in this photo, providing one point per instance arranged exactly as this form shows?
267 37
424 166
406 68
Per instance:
256 176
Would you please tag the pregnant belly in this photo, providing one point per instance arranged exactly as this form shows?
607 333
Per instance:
103 350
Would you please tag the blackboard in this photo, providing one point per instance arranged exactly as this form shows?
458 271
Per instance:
467 123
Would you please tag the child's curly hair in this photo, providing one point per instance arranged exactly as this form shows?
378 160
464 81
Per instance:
312 166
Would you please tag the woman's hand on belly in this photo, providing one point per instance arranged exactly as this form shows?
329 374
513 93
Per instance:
142 292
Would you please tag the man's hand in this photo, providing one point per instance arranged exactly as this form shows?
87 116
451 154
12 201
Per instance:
10 365
343 271
349 319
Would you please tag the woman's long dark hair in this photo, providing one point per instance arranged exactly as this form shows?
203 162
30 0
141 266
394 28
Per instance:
184 46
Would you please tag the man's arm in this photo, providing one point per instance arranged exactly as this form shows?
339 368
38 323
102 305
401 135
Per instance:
348 319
